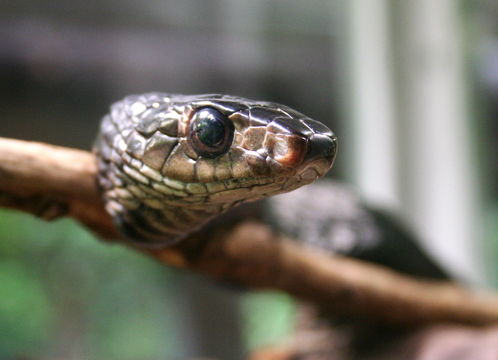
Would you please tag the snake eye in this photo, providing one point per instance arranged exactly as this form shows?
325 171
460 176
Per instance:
211 132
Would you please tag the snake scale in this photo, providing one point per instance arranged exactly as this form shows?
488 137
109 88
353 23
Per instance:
168 163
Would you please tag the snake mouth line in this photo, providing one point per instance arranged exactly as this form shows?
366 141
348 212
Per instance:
180 189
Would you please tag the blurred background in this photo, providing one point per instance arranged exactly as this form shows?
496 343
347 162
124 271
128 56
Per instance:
410 87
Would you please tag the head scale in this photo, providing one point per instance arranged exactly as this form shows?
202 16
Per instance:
169 163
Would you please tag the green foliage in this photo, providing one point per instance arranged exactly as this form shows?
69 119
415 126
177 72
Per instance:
268 318
60 285
25 311
66 294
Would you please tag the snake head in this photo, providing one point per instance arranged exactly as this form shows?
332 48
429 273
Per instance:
169 163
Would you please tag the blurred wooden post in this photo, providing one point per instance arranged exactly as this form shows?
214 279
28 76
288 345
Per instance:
440 183
371 119
407 127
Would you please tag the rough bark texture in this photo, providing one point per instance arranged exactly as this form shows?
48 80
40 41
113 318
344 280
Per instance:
51 182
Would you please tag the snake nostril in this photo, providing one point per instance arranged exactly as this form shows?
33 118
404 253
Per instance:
280 149
294 151
288 150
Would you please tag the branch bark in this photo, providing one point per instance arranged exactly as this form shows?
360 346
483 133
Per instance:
50 182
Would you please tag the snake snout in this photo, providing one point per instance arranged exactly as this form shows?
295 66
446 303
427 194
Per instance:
319 157
301 144
321 147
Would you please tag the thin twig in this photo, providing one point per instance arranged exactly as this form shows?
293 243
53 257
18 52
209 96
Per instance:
52 181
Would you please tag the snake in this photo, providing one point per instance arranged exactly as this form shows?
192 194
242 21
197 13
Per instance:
168 164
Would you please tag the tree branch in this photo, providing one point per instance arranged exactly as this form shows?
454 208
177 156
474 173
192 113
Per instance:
51 182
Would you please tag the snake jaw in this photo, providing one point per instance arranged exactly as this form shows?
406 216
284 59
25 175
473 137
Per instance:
158 188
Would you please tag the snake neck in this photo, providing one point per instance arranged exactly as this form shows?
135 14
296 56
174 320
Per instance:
162 226
151 209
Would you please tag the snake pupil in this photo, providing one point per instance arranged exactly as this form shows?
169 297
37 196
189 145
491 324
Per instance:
211 132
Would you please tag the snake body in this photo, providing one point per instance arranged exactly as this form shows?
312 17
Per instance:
170 163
